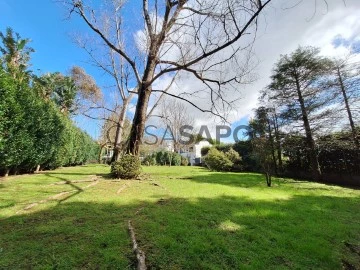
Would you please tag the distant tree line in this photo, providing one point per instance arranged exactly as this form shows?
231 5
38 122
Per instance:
36 131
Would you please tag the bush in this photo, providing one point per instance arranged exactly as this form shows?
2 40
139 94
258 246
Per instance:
236 159
233 155
127 167
223 147
149 160
245 150
161 158
184 161
218 161
167 156
205 150
164 158
176 159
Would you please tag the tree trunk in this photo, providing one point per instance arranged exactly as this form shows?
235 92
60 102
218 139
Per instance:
268 179
120 131
347 106
272 147
144 92
278 143
100 152
7 171
37 169
314 162
138 125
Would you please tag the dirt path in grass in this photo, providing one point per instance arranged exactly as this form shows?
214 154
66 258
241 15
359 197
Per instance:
121 189
60 196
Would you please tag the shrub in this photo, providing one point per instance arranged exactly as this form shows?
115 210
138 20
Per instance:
205 151
245 149
218 161
127 167
184 161
149 160
233 155
176 159
167 158
223 147
161 158
164 158
236 159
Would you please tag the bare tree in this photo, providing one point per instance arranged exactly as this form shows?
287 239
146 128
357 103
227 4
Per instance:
110 130
174 115
210 40
118 70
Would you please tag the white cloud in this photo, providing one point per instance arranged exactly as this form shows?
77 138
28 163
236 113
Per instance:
281 31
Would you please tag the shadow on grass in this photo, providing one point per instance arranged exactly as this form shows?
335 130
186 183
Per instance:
68 173
67 182
245 180
250 180
54 174
106 176
91 170
5 204
225 232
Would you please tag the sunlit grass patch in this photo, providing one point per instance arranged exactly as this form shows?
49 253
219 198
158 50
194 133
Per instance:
230 226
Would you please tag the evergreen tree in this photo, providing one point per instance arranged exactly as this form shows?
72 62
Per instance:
297 88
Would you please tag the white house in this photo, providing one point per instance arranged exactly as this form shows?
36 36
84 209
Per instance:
193 152
107 153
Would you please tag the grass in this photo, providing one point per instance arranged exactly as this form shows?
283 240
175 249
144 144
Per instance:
184 218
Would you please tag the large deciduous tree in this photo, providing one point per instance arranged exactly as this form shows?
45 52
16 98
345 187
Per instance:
209 40
117 72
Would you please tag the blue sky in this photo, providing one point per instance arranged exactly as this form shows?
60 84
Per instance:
45 23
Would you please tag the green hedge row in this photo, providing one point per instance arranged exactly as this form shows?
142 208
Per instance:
33 131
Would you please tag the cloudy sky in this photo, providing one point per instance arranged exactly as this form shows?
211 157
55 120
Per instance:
334 28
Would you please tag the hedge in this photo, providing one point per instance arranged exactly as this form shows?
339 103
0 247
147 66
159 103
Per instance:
33 131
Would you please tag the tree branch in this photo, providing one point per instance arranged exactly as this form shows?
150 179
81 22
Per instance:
191 103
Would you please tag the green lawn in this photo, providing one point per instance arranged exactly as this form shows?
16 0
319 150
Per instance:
184 218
